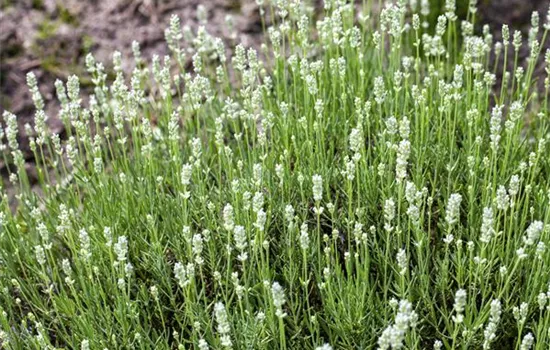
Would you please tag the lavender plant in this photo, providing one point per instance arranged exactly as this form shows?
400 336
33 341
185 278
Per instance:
363 182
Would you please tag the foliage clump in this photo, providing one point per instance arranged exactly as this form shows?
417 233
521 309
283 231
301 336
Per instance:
369 182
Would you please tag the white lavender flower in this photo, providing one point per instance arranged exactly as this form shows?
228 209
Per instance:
241 242
491 328
502 200
424 7
520 313
128 269
514 187
349 171
403 152
261 218
356 140
35 93
121 249
40 255
317 188
541 248
197 247
358 232
487 222
136 51
414 214
379 90
44 235
173 34
532 233
278 295
228 220
68 271
441 26
183 274
223 326
202 14
450 10
521 254
527 342
246 200
186 172
203 345
117 61
459 305
416 21
66 267
542 298
389 214
107 234
73 88
289 214
394 335
452 213
279 171
85 251
304 237
258 201
11 130
517 40
402 262
495 126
